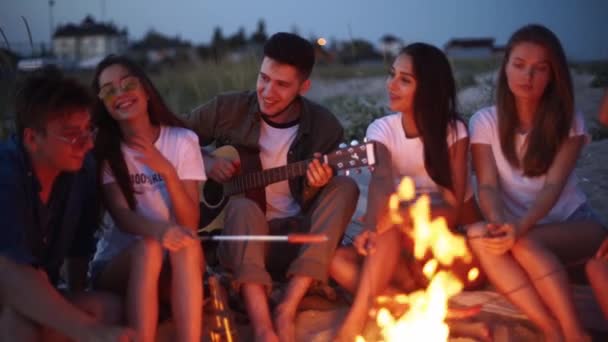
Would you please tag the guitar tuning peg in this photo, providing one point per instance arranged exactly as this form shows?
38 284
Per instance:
342 145
354 143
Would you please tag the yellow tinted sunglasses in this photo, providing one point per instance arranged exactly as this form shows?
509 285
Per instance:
108 92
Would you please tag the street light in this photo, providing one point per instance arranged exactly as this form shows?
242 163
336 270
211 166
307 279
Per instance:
51 23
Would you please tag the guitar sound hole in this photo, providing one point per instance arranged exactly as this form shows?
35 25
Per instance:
213 193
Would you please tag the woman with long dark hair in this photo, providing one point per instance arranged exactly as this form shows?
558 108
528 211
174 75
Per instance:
425 140
149 168
524 152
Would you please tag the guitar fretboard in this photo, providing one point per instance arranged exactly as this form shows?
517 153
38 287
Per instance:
260 179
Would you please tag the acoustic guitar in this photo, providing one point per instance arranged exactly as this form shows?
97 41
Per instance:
251 179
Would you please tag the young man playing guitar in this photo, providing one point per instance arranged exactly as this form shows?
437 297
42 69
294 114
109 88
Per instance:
282 127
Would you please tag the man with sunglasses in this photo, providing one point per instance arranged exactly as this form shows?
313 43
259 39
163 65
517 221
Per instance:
48 208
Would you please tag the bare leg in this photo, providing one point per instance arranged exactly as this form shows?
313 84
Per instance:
142 290
553 241
377 271
597 271
345 268
285 312
15 327
509 278
187 292
553 289
256 302
105 308
247 262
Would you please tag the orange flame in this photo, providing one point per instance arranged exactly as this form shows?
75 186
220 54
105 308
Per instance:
425 318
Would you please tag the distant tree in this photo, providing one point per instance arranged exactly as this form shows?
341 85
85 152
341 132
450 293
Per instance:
157 40
203 51
295 30
218 40
218 44
357 50
238 39
259 36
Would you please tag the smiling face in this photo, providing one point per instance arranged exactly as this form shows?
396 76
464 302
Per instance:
122 93
277 86
528 71
401 85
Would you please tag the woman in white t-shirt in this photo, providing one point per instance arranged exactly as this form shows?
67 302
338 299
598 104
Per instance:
524 153
425 140
149 168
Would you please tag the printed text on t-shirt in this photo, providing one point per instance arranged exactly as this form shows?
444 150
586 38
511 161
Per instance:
142 178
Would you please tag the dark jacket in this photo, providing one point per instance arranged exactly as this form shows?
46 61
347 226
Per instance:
234 119
39 235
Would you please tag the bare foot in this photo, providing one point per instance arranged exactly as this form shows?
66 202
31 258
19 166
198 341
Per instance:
266 335
284 322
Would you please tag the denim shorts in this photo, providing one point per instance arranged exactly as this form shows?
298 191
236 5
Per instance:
95 269
585 213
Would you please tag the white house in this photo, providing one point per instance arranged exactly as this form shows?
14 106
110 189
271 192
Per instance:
88 40
390 45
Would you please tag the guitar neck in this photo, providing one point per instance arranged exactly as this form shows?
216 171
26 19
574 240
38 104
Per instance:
259 179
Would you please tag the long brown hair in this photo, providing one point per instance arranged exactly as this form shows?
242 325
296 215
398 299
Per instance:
553 118
434 108
107 146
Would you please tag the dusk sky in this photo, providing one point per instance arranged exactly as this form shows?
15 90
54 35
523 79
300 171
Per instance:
582 25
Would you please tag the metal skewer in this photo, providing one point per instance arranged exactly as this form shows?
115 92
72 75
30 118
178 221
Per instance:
289 238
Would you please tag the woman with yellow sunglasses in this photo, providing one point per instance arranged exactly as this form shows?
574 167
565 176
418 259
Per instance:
149 170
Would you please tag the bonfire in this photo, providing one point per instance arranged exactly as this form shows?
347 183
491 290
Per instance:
424 318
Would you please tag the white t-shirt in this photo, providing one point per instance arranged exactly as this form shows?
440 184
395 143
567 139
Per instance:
274 144
407 153
180 146
518 192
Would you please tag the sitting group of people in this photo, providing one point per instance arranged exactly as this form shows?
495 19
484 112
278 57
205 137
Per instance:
100 195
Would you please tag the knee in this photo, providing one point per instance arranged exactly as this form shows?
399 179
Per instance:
240 204
341 255
341 258
524 246
474 233
345 188
595 268
190 256
104 307
244 216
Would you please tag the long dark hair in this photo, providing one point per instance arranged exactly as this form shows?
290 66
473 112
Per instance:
553 118
107 146
434 108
